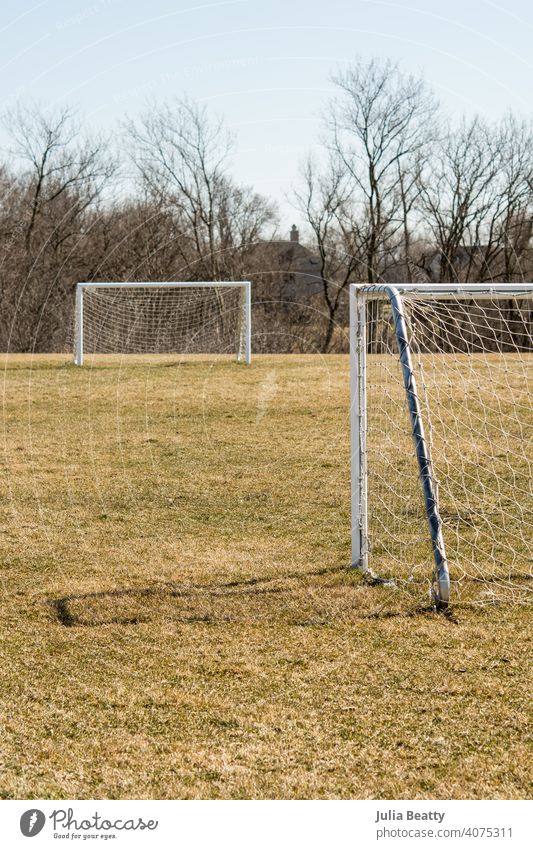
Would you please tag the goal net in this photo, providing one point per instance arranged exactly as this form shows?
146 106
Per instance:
163 318
442 438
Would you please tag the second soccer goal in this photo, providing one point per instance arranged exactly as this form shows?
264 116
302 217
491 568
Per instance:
163 318
442 438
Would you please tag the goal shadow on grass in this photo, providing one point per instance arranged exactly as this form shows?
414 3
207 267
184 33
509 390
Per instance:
318 598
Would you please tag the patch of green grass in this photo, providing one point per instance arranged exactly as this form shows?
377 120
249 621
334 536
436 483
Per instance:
178 616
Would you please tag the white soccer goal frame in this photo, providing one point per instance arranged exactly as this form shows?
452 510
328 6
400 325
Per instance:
244 351
359 297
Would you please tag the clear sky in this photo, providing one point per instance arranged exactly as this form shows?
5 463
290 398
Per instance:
263 64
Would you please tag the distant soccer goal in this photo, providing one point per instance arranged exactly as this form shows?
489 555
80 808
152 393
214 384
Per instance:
163 318
442 438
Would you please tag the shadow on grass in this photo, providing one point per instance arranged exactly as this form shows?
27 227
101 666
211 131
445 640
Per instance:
316 598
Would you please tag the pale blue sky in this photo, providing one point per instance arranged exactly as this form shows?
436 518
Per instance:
263 65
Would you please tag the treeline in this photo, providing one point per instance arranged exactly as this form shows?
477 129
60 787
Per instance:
393 193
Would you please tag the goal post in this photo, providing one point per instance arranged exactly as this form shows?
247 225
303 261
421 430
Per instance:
163 317
442 437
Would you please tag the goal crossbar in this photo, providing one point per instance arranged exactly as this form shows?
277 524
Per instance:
441 291
165 284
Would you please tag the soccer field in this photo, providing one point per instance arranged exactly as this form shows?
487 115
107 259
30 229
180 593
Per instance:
179 619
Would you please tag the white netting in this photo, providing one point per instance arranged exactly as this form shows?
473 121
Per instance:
163 320
473 362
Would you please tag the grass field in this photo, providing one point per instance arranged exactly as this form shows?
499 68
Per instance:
178 617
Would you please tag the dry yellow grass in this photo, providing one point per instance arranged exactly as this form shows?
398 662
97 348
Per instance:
178 620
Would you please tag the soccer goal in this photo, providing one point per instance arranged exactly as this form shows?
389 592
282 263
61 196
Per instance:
442 438
163 318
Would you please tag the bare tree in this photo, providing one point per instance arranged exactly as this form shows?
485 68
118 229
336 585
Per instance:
459 191
380 126
324 201
476 201
182 156
60 163
514 227
61 175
